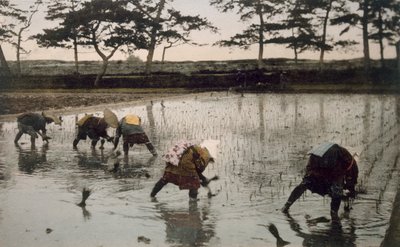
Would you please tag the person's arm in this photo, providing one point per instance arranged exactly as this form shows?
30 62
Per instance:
351 180
42 128
118 133
199 167
101 130
204 181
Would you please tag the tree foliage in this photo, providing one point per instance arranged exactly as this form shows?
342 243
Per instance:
62 35
168 25
10 16
385 22
264 11
108 25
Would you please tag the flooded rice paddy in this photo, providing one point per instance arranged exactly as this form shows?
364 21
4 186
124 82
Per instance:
264 141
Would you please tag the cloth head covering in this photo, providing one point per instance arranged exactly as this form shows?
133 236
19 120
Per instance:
56 120
110 118
174 154
132 119
321 149
211 146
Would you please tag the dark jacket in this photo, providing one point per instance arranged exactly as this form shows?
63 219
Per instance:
35 120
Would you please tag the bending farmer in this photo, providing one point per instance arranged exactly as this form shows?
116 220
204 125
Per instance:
331 169
185 163
131 130
96 128
34 124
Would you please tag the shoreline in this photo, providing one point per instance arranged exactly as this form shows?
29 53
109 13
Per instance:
17 101
99 107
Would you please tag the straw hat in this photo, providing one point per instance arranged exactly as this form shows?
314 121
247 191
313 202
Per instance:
211 146
110 118
83 119
56 120
132 119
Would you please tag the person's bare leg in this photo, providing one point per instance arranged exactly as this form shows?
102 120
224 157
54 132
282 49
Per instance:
102 143
18 136
157 187
125 147
296 193
151 148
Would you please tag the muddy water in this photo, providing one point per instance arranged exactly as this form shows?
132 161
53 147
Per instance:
264 139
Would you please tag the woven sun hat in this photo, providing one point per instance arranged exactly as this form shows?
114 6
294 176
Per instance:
132 119
83 119
56 120
110 118
211 146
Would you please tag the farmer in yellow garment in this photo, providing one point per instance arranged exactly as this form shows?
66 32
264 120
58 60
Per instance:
185 164
331 170
96 128
131 130
34 124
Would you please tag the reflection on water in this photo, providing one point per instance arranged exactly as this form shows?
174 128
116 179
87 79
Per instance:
321 233
264 139
192 227
94 158
32 158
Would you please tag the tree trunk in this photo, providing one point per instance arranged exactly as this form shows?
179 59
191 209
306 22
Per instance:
380 33
365 36
398 57
76 55
5 69
103 57
27 24
163 54
323 41
102 72
153 38
19 52
261 38
294 48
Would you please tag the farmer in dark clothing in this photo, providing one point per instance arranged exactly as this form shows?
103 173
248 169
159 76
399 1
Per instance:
96 128
185 163
331 170
34 124
131 130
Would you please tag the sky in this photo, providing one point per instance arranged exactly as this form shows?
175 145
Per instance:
228 24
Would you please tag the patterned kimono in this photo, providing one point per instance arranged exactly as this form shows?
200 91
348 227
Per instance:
187 174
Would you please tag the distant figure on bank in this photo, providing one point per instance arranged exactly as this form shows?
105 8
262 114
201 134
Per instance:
331 170
34 124
282 80
96 128
132 132
241 78
185 164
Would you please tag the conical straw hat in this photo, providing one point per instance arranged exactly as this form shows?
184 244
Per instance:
55 119
83 119
110 118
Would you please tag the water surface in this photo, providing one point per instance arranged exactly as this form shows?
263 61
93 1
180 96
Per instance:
264 141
